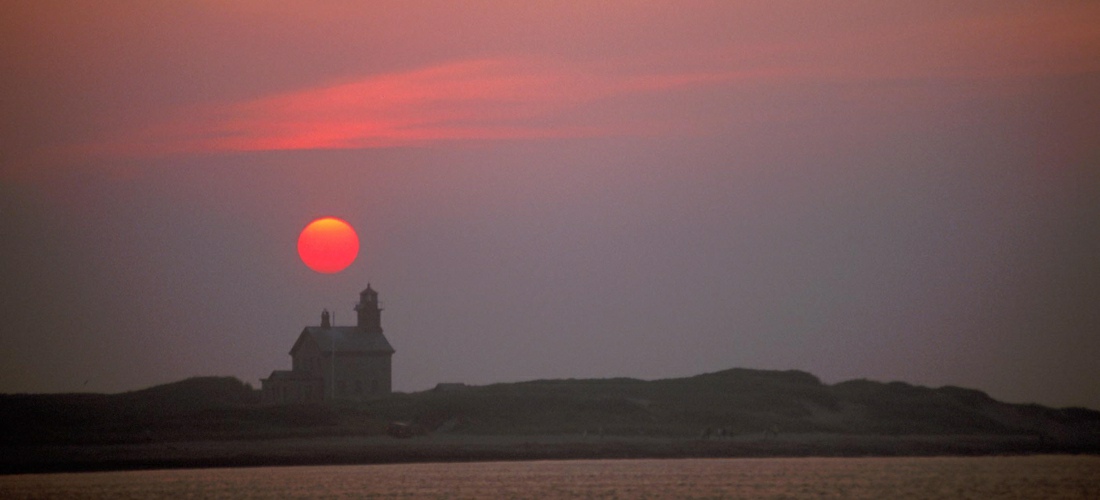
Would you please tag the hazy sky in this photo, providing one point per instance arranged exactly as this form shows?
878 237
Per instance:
858 189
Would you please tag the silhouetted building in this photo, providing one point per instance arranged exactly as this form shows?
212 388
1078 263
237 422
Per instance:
336 362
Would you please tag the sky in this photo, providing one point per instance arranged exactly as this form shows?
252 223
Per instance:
858 189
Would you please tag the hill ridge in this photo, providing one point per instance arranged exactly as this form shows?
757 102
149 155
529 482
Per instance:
735 401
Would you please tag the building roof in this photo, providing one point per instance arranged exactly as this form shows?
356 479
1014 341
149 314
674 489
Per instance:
290 375
350 339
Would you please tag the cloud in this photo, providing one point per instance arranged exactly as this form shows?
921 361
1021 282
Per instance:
476 99
352 79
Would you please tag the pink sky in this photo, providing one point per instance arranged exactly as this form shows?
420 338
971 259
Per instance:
896 191
222 77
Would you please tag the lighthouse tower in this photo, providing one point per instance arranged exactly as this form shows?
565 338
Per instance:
370 311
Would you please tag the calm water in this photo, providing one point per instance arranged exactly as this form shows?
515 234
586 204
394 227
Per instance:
985 477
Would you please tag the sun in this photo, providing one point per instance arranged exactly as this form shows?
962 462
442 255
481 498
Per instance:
328 245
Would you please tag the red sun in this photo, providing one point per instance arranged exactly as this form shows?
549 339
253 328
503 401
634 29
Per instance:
328 245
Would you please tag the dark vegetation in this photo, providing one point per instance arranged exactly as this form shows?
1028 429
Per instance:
196 408
730 403
727 403
218 421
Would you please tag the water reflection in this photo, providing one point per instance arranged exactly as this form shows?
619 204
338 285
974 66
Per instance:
945 477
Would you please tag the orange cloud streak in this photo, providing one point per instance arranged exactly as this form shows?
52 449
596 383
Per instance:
512 98
482 99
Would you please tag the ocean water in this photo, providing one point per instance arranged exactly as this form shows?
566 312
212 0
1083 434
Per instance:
941 477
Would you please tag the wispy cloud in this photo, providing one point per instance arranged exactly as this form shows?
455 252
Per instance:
478 99
528 96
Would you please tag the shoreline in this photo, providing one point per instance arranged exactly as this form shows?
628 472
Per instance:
349 450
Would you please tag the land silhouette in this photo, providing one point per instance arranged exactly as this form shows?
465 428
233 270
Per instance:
219 421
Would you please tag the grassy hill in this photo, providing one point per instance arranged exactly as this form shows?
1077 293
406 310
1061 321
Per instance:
195 408
736 402
730 402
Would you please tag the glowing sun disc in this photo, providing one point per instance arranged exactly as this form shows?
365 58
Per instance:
328 245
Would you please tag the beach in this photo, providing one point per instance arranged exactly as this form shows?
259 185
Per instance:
334 450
